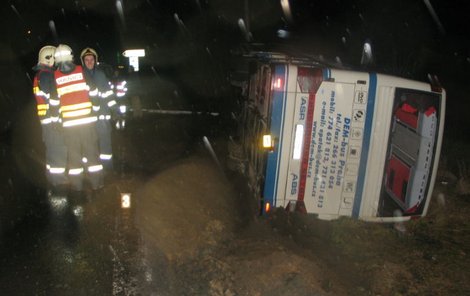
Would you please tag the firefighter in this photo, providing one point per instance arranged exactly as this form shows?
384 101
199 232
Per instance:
78 121
119 86
48 112
103 102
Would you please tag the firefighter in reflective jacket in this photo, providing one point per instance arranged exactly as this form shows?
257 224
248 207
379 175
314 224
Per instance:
78 121
103 101
48 112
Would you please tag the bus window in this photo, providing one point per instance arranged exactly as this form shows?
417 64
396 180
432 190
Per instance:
410 153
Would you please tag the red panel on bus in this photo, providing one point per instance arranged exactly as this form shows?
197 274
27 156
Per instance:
410 119
398 175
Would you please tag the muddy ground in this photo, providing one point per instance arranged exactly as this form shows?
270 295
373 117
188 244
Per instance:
199 235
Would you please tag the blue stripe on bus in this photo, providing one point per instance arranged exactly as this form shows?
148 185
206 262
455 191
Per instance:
365 144
277 119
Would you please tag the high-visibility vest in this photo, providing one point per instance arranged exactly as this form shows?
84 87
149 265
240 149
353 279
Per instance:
42 98
75 104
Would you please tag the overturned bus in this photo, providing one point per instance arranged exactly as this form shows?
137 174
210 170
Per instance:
335 142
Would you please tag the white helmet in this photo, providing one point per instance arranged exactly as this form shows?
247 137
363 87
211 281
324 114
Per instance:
63 53
46 55
89 51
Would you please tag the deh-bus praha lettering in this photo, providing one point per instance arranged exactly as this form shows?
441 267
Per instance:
329 147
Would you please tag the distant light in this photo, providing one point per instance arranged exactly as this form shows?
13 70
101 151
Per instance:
134 53
29 31
125 200
134 62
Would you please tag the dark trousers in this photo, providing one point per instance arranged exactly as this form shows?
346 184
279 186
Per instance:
104 130
83 156
56 154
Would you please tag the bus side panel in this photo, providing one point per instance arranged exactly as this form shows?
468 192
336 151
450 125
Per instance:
287 135
329 150
297 103
365 144
378 151
276 129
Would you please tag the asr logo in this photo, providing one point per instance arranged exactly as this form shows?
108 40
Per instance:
303 108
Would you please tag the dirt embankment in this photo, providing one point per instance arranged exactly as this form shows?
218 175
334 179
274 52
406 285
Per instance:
186 207
194 243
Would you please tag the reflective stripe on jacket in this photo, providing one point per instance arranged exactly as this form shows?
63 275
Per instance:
101 93
75 104
42 96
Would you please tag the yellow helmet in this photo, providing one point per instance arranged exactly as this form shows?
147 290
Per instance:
46 55
89 51
63 53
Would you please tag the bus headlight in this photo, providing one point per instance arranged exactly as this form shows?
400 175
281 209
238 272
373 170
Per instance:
268 142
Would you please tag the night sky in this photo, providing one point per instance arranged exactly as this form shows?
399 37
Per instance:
187 40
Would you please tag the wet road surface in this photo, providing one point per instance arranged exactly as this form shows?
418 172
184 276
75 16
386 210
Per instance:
70 246
73 248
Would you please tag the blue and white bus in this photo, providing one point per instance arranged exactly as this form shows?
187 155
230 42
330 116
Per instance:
335 142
